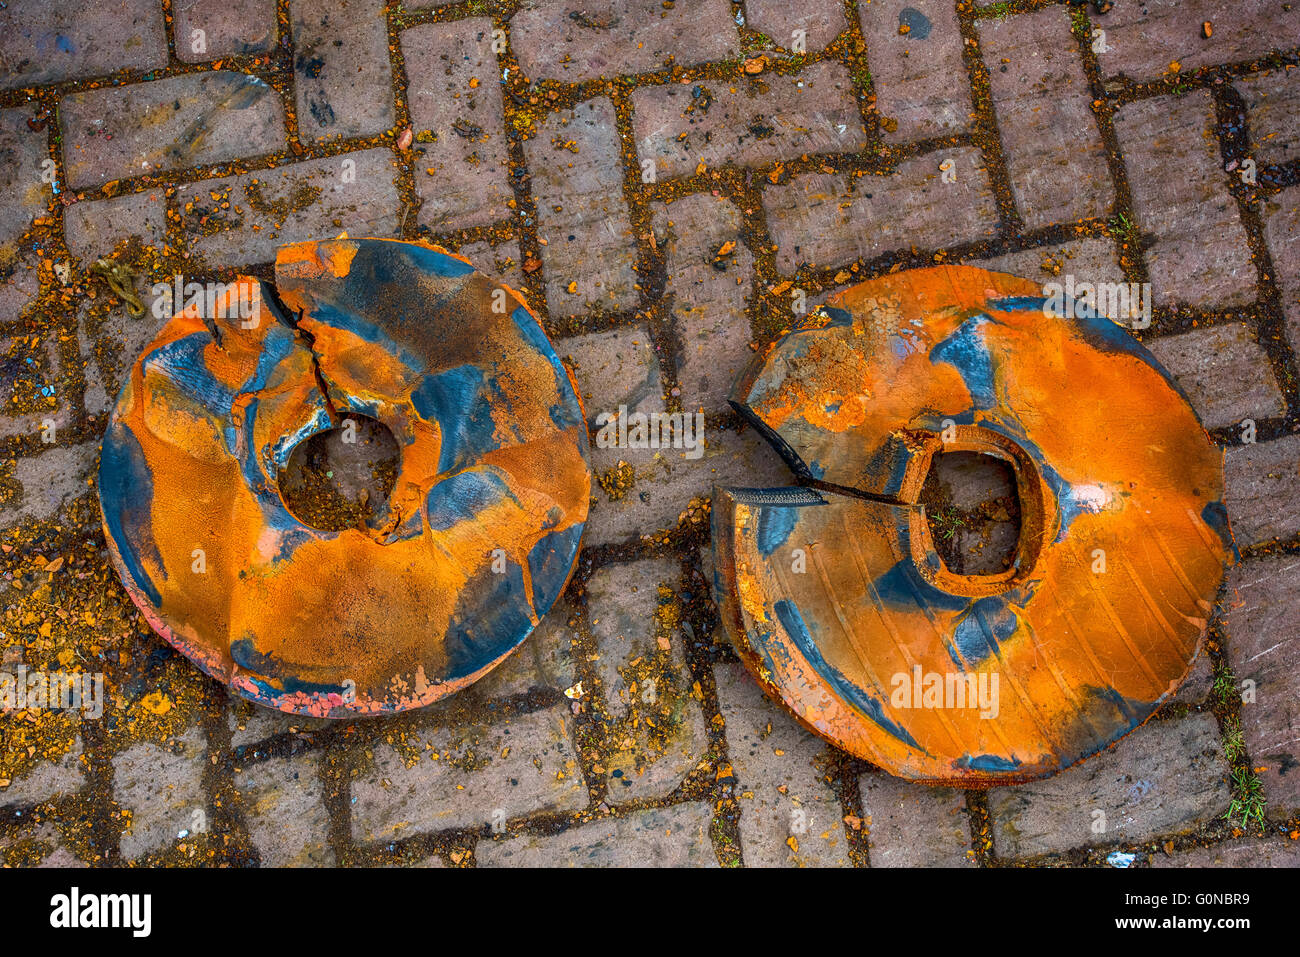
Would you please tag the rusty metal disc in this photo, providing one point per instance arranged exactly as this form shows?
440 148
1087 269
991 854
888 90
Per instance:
475 542
836 596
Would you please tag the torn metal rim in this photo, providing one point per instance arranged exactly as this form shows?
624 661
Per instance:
481 530
836 597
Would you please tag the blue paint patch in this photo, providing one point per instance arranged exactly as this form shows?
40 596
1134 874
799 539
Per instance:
456 399
126 488
1019 304
490 620
465 496
1130 710
903 588
549 563
1216 516
836 318
917 23
982 629
987 762
244 653
433 262
278 453
965 350
330 314
567 413
774 527
788 614
181 362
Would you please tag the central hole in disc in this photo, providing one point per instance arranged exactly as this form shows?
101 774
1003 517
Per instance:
342 477
973 508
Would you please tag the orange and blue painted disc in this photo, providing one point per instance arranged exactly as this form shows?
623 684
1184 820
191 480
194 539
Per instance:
475 542
836 596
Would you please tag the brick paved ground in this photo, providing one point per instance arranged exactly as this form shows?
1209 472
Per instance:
601 156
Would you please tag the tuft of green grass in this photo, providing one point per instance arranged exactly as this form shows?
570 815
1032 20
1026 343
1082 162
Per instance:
1247 805
755 41
1224 689
997 11
1234 745
1121 226
948 521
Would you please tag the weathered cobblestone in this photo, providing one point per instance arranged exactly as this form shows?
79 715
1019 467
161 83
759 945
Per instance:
1256 478
613 369
229 28
577 183
1273 852
250 725
162 789
575 41
500 261
1163 36
1282 232
24 152
665 482
747 122
1162 778
53 40
286 812
910 825
121 226
788 814
1180 194
168 124
38 842
513 766
820 20
96 228
919 77
46 782
1224 372
1087 260
1273 111
544 661
461 175
262 211
32 383
48 481
1264 648
1049 134
818 219
656 728
1197 685
341 68
709 290
676 836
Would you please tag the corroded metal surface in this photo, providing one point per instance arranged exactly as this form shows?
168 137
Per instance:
480 532
837 599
